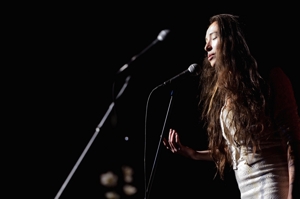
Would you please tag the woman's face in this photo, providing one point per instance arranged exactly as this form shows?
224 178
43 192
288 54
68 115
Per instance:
212 39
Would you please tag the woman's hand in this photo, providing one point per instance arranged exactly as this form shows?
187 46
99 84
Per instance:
173 143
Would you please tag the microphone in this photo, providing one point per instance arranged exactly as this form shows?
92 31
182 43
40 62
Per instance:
161 36
192 69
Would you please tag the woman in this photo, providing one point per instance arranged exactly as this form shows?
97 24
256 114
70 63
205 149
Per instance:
252 123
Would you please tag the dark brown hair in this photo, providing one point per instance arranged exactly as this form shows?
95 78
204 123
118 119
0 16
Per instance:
235 76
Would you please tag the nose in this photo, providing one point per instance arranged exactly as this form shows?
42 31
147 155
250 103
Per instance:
207 47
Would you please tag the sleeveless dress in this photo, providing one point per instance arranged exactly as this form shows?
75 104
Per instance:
265 175
261 175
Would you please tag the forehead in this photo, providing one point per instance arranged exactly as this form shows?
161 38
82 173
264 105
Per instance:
213 28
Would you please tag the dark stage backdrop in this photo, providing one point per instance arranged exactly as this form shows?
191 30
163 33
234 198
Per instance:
70 55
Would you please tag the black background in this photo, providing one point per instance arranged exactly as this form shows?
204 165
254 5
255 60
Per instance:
63 63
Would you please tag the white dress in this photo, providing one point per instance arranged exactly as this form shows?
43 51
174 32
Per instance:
259 176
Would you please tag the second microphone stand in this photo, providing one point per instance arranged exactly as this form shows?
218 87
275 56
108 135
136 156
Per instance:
154 166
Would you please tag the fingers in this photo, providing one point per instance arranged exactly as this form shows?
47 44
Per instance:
172 133
165 142
177 141
173 142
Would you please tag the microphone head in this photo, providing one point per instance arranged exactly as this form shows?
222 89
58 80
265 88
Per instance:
193 68
162 35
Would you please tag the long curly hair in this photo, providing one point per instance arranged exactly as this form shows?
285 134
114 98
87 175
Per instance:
235 76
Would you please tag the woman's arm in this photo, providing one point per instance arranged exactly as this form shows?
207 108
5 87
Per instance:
173 144
287 118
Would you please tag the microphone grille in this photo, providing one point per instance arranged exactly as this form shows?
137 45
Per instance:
162 35
193 68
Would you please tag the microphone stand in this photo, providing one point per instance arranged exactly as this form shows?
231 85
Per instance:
92 139
160 37
157 150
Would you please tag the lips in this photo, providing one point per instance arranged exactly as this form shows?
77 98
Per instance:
210 56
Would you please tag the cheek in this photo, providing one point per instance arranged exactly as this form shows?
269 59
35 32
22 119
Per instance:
216 45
